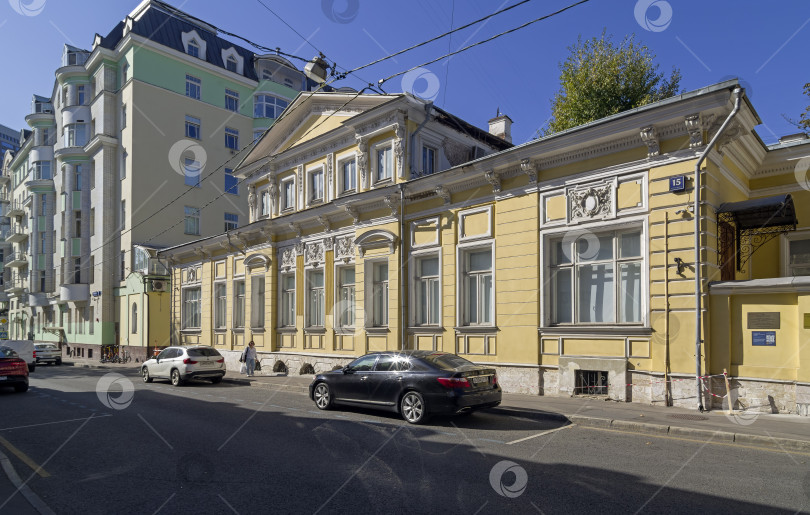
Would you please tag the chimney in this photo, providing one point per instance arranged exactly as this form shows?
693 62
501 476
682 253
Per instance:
501 126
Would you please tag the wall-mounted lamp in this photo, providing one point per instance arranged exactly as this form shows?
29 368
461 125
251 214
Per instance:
680 264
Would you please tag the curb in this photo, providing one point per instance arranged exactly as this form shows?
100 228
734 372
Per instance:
291 388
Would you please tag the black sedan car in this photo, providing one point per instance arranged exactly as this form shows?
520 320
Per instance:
415 384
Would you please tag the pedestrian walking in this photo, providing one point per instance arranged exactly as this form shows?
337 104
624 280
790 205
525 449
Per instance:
249 358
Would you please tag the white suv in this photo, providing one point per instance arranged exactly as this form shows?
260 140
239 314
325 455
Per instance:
179 364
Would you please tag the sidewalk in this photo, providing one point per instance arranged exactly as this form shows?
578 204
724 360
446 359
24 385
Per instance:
785 432
781 431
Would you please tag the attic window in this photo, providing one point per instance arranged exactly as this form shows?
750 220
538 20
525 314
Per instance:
231 64
193 48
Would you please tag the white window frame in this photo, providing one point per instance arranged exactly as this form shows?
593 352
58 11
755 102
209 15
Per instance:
282 296
185 306
784 247
192 172
310 291
231 138
337 312
193 85
228 223
277 109
237 316
190 36
220 311
265 202
231 53
258 302
375 175
370 264
630 224
194 123
312 195
232 98
187 216
415 285
341 186
434 162
287 201
462 250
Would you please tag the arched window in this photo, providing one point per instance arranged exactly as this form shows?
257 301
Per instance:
134 318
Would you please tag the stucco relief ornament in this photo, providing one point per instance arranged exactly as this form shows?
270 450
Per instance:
314 253
329 171
362 160
650 138
252 202
590 202
300 248
344 248
529 169
399 149
273 190
288 257
695 130
329 243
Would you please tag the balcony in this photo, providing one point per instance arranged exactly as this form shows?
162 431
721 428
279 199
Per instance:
16 234
17 283
3 197
38 299
74 293
15 208
16 259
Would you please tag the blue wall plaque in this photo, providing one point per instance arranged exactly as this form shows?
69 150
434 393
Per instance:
677 183
763 338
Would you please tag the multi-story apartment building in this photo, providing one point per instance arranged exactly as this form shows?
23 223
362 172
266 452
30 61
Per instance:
9 139
638 257
132 151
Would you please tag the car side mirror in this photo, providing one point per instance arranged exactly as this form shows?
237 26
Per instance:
347 370
157 360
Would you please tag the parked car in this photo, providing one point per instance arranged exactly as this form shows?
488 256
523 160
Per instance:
25 349
179 364
13 369
48 353
416 384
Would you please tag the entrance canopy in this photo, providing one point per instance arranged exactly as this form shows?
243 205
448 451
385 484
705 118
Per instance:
760 213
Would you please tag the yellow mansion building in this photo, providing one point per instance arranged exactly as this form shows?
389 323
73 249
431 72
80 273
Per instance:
382 222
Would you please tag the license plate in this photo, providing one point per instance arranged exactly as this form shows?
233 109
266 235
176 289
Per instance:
206 364
3 378
480 379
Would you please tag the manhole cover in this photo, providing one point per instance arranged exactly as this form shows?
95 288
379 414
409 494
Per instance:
688 417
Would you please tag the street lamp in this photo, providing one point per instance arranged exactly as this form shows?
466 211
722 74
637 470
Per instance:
316 69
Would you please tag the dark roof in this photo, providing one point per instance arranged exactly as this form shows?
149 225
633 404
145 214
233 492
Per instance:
761 212
460 125
158 25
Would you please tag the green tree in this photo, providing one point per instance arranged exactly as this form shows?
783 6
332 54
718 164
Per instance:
599 79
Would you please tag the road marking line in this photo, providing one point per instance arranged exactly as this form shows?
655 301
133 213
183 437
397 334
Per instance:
490 440
26 492
541 434
24 458
155 431
48 423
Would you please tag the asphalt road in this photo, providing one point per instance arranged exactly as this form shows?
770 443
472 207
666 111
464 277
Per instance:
228 448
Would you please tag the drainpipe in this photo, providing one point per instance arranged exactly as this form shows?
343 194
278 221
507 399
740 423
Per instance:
428 108
403 319
738 93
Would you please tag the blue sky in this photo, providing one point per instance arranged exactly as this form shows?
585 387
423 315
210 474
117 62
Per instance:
764 44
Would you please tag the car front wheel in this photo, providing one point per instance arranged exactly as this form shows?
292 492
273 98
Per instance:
412 408
322 395
176 379
145 374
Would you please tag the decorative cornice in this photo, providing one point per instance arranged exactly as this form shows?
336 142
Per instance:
323 220
392 203
494 179
695 129
529 169
295 227
352 211
443 192
650 138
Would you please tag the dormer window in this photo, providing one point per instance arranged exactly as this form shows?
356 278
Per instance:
231 64
193 44
266 75
193 48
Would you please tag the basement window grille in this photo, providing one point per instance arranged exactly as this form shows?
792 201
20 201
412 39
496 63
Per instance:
591 382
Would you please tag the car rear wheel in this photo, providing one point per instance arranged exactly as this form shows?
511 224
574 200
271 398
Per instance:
216 380
176 379
58 362
145 374
412 408
323 396
20 388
